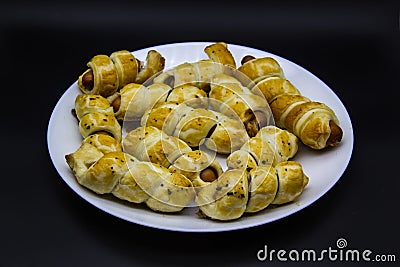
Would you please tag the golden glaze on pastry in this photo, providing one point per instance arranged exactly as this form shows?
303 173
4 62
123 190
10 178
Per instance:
226 198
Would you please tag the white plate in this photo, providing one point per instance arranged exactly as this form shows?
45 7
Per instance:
323 167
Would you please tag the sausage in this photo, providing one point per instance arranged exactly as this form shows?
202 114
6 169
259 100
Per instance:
336 134
246 58
208 175
88 80
116 103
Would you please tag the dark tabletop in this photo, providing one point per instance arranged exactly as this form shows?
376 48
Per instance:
353 46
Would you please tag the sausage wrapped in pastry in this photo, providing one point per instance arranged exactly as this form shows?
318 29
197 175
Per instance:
197 74
151 144
257 69
133 100
197 125
96 115
112 171
278 184
226 198
269 147
313 122
200 167
107 74
233 99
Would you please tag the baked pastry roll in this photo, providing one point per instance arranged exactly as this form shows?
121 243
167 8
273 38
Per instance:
159 115
241 159
133 100
257 69
190 95
197 125
100 122
198 74
154 185
228 135
126 65
226 198
274 87
155 63
220 53
151 144
179 120
313 122
200 167
234 99
263 187
107 74
275 185
91 150
270 146
101 77
85 104
105 170
292 181
282 141
95 115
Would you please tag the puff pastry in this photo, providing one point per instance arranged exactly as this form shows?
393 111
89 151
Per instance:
197 73
314 123
133 99
196 126
107 74
151 144
96 115
194 165
233 99
269 147
257 69
226 198
277 185
272 178
220 53
113 171
101 77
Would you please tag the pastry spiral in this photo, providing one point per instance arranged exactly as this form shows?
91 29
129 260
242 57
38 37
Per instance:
230 97
96 115
314 123
196 126
272 177
107 74
151 144
113 171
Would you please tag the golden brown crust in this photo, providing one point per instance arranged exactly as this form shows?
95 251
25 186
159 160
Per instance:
260 68
126 66
105 79
155 63
226 198
274 87
220 53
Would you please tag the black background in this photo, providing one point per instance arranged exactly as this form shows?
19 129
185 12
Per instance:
353 46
